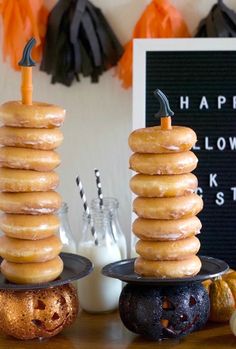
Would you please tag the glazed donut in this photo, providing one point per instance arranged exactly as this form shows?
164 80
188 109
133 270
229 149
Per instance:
26 181
163 186
168 269
44 139
165 230
29 227
163 164
29 251
30 203
29 159
155 140
168 208
168 250
32 273
37 115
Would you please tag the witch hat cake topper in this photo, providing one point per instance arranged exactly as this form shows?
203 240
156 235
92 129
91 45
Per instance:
26 64
26 60
165 112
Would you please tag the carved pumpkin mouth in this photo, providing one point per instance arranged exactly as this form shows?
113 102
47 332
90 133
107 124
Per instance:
40 324
167 327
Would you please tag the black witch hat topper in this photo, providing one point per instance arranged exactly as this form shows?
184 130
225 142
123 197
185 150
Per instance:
26 60
164 104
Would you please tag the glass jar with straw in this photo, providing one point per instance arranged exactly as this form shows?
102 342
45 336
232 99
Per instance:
97 293
65 232
111 204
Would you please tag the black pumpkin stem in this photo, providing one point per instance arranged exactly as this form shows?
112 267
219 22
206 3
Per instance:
26 60
164 104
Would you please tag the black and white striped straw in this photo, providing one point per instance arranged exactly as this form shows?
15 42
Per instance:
99 187
86 207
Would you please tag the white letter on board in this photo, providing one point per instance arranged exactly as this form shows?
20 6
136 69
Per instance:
184 102
199 191
234 193
234 102
220 198
232 142
212 180
221 100
204 103
221 143
207 144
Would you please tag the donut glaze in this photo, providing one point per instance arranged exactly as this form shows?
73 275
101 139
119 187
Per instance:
37 115
42 139
168 250
32 273
27 181
29 251
29 159
168 208
168 269
163 186
30 203
156 140
163 164
165 230
29 227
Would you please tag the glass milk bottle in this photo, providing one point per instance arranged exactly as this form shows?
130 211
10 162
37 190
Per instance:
98 293
112 204
65 233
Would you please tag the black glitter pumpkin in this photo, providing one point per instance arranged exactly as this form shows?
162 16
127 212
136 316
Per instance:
164 312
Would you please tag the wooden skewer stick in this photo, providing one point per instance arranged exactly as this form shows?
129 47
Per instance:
26 64
166 123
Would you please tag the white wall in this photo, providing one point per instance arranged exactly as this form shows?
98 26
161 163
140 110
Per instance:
98 115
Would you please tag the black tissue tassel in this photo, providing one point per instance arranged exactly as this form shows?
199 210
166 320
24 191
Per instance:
220 22
79 41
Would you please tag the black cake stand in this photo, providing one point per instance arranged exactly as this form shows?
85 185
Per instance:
75 267
164 308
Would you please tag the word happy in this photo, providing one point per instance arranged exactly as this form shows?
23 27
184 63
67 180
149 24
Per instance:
204 104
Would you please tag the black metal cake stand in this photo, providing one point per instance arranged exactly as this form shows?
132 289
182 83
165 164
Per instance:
75 267
164 308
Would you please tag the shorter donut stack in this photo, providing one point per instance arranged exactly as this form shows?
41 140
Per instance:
166 204
29 245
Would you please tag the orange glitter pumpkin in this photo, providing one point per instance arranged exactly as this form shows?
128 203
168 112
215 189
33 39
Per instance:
37 313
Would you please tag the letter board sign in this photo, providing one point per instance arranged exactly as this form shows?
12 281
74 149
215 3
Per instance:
199 78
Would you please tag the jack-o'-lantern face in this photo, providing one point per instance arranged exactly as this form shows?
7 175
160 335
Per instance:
164 312
38 313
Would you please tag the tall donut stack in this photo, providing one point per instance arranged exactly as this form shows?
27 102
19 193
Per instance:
167 204
29 247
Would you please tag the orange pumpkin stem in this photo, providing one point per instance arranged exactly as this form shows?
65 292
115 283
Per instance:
26 86
166 123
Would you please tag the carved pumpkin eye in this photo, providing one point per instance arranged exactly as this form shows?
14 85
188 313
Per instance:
192 301
55 316
40 305
167 305
183 317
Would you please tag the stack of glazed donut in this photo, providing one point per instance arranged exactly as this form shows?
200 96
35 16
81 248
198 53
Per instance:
28 137
167 204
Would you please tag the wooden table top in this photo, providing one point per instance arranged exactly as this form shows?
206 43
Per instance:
107 332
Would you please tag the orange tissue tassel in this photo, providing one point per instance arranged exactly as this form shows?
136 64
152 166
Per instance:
21 20
159 20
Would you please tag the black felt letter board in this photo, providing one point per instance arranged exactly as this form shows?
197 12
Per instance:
201 87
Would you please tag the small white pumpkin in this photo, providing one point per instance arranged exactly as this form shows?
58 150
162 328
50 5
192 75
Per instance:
232 322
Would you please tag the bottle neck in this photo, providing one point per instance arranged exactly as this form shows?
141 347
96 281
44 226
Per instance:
101 222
